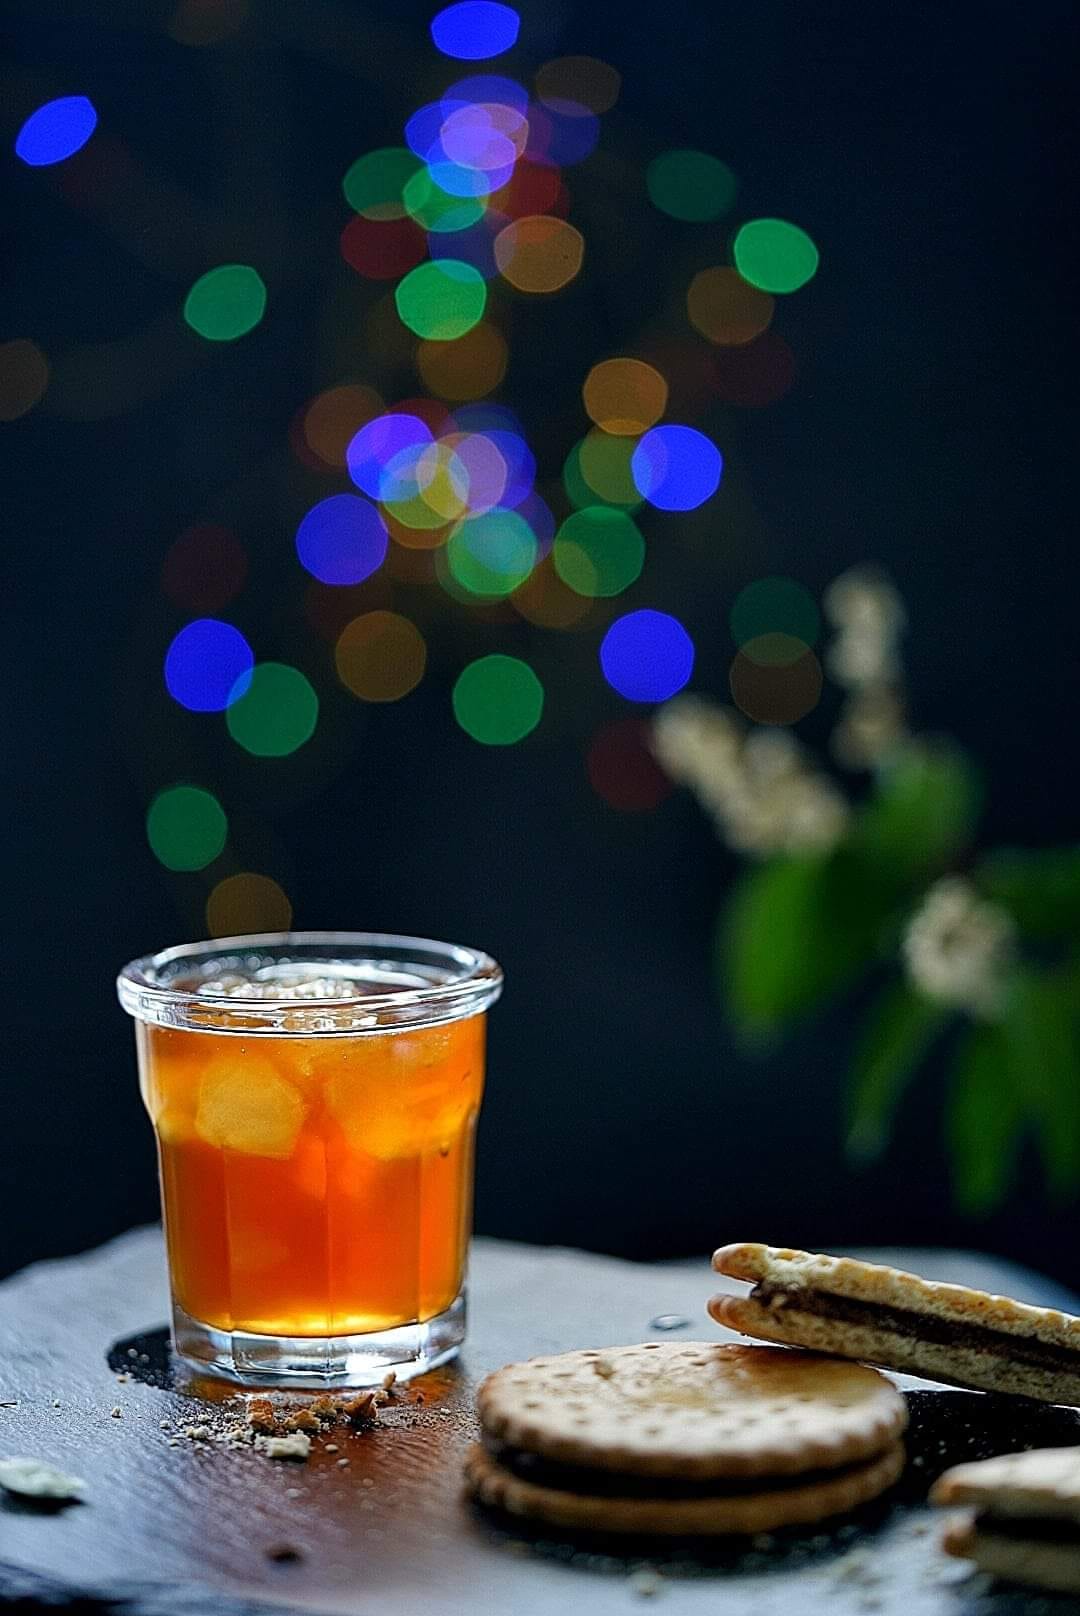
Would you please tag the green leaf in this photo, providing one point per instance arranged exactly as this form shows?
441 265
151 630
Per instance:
923 812
795 931
1040 889
1040 1036
983 1120
895 1038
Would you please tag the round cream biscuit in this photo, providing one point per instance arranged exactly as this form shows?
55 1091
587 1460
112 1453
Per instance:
693 1410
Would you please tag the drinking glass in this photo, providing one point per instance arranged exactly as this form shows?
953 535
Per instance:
314 1096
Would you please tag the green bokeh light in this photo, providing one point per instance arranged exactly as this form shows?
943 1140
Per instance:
775 606
498 700
186 827
598 551
492 554
597 472
690 185
375 184
441 299
226 302
774 255
277 714
436 210
604 462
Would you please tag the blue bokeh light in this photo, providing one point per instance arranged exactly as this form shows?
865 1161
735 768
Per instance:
485 469
520 464
56 130
676 468
457 180
424 128
208 666
647 655
473 30
342 540
376 444
485 90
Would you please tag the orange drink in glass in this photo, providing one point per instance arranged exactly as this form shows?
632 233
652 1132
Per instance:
314 1098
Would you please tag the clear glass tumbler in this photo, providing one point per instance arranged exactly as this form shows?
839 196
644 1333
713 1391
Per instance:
314 1097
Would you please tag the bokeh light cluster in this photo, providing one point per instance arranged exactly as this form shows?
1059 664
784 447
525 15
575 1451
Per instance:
464 220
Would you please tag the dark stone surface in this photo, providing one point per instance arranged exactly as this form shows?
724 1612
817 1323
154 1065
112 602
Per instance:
198 1530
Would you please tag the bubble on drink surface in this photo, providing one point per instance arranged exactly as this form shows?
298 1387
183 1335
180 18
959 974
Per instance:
331 980
246 1105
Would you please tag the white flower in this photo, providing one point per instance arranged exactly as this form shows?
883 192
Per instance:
870 728
864 598
959 948
757 787
694 740
869 616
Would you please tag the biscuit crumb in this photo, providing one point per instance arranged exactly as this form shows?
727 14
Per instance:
361 1410
117 1413
32 1478
294 1492
197 1433
342 1463
260 1415
165 1425
325 1408
122 1379
604 1368
295 1446
302 1420
331 1447
55 1403
389 1381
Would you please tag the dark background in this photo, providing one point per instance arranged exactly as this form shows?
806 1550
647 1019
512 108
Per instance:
931 426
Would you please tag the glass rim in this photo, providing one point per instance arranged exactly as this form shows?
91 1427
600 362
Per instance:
473 983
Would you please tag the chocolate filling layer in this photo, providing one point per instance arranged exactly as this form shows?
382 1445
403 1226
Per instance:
1028 1530
588 1483
1023 1349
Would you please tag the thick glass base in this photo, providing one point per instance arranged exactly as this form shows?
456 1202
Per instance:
318 1361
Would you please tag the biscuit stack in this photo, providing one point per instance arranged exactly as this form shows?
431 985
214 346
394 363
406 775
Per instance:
687 1438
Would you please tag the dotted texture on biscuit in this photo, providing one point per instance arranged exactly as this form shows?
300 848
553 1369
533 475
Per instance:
693 1410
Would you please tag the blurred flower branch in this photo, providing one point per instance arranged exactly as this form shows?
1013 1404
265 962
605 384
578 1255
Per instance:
976 952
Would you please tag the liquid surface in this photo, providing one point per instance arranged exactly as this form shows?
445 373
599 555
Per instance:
315 1186
325 979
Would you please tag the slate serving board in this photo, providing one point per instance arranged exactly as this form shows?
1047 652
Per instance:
175 1531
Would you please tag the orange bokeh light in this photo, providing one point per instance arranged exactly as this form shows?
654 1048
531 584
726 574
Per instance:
625 396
